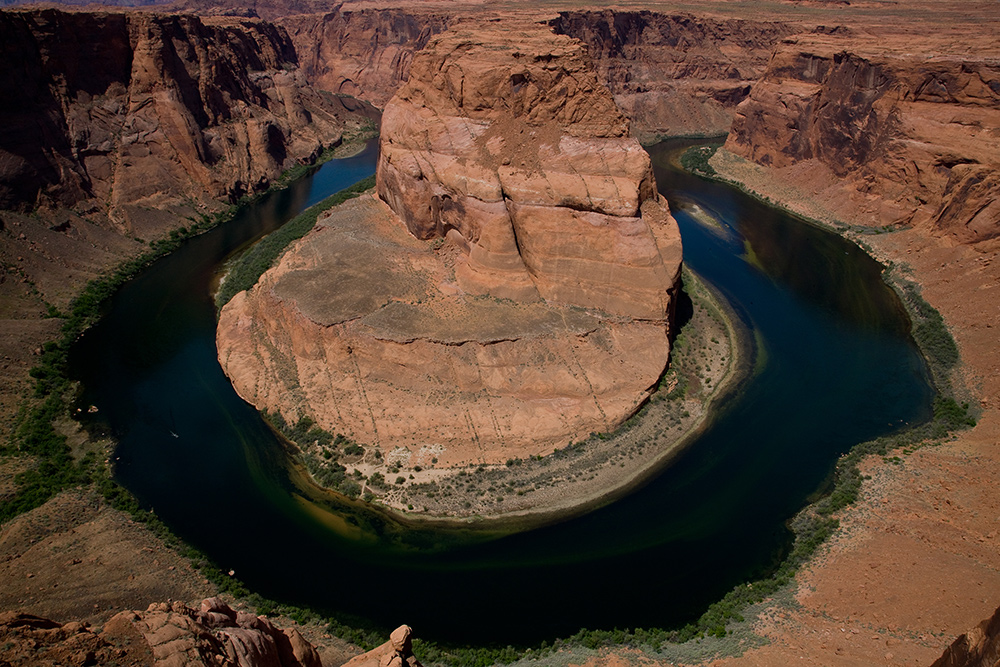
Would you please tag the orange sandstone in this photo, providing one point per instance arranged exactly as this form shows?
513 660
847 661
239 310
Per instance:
539 315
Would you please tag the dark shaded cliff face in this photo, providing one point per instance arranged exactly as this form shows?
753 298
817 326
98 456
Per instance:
365 54
120 112
675 74
917 132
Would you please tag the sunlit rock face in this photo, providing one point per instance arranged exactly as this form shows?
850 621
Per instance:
508 291
883 134
507 139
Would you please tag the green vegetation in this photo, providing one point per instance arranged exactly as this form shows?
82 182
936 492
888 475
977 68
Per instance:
321 450
34 434
695 159
55 468
247 270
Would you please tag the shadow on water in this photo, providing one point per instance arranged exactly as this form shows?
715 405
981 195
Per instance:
840 369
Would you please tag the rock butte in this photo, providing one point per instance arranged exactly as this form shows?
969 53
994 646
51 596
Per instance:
541 312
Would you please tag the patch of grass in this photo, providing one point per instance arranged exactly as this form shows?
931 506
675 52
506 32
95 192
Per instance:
695 159
248 268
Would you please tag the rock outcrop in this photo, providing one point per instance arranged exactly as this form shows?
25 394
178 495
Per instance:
132 116
885 134
675 74
365 54
979 647
520 152
164 634
397 652
520 300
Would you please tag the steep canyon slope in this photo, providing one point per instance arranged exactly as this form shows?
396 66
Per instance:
366 54
675 74
521 299
936 544
119 127
127 116
883 134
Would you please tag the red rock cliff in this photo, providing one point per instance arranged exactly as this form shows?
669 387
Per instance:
905 136
366 54
137 111
675 74
518 149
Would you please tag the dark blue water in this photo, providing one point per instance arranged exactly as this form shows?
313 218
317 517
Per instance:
838 368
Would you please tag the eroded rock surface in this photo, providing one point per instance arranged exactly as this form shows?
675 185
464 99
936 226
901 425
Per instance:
136 116
511 293
675 74
397 652
508 140
979 647
165 634
886 134
365 54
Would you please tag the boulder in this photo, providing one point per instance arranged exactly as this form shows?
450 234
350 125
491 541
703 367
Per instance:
397 652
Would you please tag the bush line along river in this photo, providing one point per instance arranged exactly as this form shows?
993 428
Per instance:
836 367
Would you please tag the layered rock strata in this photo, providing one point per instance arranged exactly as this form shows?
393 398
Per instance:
365 54
885 135
510 292
979 647
675 74
123 115
521 154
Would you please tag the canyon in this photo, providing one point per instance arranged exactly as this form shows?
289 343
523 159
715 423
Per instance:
868 116
183 112
884 137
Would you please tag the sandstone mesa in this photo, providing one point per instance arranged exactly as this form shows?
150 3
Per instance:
543 317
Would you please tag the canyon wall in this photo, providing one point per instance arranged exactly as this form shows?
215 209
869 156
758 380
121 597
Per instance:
525 157
366 54
885 134
129 115
675 74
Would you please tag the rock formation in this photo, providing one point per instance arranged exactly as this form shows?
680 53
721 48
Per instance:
164 634
979 647
522 154
131 116
397 652
366 54
675 74
529 303
885 134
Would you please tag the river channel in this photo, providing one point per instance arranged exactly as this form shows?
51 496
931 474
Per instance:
836 366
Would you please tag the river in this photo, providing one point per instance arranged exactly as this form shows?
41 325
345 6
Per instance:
836 367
